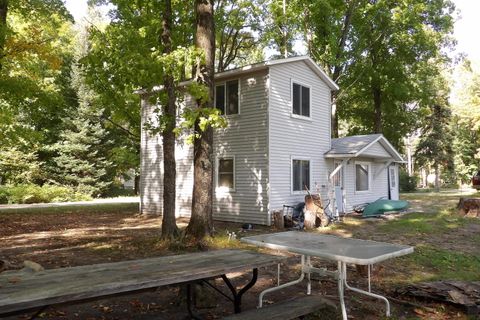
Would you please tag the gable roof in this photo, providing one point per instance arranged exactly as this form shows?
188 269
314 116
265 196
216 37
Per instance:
355 146
264 65
256 67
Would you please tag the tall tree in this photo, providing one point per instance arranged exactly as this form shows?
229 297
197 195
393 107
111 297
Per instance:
35 63
3 27
169 226
281 26
236 24
435 145
466 124
327 30
384 55
201 221
398 57
146 44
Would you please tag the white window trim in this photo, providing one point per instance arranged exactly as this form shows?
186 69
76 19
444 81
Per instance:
297 116
217 175
291 174
224 83
369 164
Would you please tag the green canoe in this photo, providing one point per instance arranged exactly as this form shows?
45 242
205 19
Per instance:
381 206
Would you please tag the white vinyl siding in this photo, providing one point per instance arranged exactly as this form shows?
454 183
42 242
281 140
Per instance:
151 170
151 165
379 184
245 139
290 136
376 151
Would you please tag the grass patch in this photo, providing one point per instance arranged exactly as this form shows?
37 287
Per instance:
424 223
84 209
430 263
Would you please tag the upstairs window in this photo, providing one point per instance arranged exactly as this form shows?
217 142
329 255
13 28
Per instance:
300 175
226 97
226 173
300 100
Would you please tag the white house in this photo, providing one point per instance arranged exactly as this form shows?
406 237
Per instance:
276 142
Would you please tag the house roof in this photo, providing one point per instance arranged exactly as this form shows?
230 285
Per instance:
257 67
264 65
355 146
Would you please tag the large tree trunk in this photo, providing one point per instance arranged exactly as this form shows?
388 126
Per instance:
201 223
338 68
169 226
3 28
377 104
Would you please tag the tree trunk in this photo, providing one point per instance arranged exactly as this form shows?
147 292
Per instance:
201 222
338 68
169 226
377 104
437 177
3 28
136 184
334 115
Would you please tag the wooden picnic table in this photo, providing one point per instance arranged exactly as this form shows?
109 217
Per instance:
22 291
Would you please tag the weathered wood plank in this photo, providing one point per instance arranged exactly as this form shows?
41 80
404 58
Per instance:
285 310
21 291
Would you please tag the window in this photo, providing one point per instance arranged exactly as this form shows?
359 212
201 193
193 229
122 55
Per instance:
226 173
300 100
300 175
362 176
226 97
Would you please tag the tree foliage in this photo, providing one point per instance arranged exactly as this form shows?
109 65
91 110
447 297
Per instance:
385 56
466 124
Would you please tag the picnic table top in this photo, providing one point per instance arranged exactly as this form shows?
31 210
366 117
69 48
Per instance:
330 247
20 290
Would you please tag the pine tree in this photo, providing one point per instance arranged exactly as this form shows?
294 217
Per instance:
82 150
81 161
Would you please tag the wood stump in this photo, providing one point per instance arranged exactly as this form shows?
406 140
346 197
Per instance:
469 207
314 213
278 219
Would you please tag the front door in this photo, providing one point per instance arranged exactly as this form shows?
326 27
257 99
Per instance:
393 182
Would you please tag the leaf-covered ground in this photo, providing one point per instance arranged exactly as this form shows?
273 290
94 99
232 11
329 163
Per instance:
446 247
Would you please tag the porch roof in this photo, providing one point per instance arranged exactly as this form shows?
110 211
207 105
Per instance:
358 146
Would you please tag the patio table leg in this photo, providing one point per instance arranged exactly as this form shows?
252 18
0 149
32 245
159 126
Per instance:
373 295
309 280
341 291
288 284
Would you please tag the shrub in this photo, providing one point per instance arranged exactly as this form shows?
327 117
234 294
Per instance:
407 183
118 191
31 193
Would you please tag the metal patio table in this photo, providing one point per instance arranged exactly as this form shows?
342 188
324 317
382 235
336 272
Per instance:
341 250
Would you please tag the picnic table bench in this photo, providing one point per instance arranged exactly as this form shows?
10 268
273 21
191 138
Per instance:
22 292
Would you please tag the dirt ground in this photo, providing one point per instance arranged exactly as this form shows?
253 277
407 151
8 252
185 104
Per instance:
77 238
